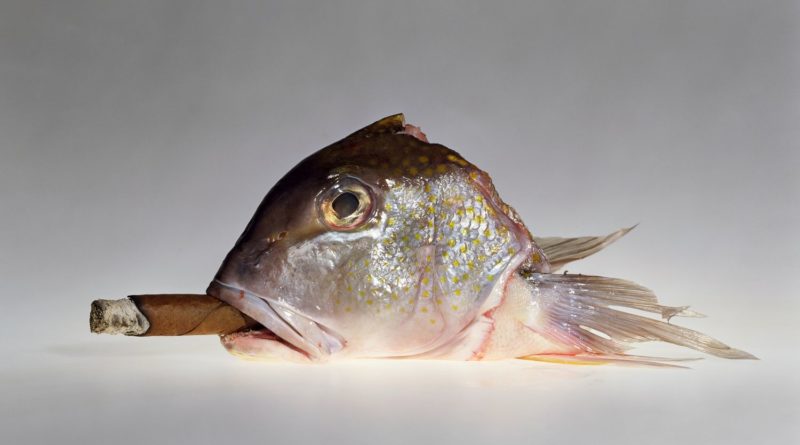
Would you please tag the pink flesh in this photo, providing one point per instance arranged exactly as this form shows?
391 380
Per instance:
414 131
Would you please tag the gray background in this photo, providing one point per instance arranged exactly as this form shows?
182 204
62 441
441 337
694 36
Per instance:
137 138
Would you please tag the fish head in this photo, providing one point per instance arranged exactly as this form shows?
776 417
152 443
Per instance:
379 245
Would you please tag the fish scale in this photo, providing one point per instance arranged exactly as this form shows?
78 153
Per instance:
436 264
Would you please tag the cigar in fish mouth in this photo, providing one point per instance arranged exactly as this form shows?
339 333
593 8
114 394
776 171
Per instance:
384 245
167 315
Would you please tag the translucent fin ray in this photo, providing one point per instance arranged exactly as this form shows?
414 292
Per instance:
560 251
578 311
603 359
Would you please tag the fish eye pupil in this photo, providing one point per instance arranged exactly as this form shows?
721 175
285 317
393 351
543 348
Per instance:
345 204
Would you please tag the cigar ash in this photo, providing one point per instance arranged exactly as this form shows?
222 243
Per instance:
117 317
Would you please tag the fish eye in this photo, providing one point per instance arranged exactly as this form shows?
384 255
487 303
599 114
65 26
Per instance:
346 205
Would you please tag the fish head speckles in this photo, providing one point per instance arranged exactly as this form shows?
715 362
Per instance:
390 242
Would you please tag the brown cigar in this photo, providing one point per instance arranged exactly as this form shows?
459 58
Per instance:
167 314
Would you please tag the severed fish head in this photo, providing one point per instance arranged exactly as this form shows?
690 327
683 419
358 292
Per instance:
379 245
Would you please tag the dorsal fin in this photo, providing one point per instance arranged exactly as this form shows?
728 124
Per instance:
560 251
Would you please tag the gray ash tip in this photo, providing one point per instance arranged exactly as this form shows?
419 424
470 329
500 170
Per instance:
117 317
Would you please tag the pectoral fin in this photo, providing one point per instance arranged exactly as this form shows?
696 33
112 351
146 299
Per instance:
560 251
587 313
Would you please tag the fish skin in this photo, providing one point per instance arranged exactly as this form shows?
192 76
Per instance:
434 265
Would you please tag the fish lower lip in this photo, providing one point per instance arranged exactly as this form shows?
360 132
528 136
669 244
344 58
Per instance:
318 342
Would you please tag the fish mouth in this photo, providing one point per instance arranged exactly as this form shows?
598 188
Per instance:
295 330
